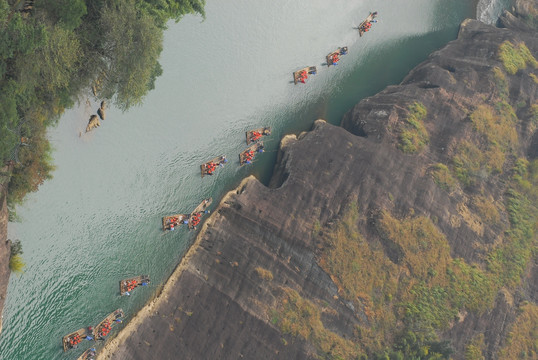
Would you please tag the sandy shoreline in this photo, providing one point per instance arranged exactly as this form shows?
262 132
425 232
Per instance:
131 327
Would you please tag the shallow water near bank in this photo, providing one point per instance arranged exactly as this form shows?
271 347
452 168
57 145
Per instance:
98 220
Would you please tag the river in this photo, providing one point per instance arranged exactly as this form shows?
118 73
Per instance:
98 220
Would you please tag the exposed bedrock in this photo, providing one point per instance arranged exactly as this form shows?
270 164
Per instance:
218 304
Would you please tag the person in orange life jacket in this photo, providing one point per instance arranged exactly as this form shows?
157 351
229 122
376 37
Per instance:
303 76
335 59
256 136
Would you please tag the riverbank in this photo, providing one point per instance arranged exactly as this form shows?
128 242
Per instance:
148 310
5 272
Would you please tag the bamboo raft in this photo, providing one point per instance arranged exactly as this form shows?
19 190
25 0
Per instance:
252 150
362 26
110 320
310 70
198 212
264 131
219 161
339 52
170 222
88 354
82 333
124 284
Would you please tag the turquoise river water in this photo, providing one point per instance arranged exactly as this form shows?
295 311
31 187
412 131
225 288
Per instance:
98 220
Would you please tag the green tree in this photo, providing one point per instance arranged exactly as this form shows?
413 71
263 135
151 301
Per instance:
34 168
8 119
163 10
67 13
59 58
132 43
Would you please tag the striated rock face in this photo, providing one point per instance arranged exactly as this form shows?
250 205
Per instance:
220 302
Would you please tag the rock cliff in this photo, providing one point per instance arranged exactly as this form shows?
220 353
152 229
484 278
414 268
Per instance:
440 158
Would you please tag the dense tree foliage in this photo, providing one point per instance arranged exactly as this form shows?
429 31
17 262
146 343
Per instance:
51 51
131 47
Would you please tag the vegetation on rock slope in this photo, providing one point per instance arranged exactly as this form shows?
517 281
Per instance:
404 280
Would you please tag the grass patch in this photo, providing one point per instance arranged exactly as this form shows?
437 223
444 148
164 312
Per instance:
523 339
509 260
502 83
442 177
534 113
264 274
302 318
497 136
516 57
486 210
473 351
423 291
496 126
467 163
534 78
413 135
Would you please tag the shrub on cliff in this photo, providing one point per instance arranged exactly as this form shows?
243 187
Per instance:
297 316
516 57
413 135
521 342
442 177
264 273
16 264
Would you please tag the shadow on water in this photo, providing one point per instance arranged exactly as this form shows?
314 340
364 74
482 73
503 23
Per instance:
382 67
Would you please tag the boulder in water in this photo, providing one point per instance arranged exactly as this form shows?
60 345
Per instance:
101 113
101 110
94 122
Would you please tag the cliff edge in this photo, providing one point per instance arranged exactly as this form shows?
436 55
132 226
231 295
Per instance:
408 231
